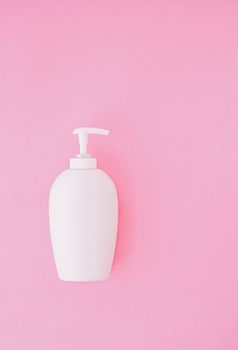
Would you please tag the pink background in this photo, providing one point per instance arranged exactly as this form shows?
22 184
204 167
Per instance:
163 77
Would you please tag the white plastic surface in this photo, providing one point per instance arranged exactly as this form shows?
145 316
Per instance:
83 163
83 214
83 138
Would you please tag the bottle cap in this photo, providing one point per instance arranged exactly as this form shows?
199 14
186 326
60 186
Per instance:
83 160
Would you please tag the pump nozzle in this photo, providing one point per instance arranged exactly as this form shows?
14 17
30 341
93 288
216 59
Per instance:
83 138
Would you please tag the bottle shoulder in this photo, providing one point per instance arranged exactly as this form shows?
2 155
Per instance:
70 173
85 176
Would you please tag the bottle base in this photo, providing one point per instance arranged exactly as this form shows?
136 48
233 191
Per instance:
83 279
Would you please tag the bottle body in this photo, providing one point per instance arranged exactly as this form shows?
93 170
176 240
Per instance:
83 214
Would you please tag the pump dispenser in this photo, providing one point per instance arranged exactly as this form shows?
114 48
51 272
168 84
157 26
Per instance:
83 215
83 160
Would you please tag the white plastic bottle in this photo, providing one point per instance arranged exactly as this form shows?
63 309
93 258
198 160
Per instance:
83 215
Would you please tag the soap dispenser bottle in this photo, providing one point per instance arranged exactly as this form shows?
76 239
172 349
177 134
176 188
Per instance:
83 215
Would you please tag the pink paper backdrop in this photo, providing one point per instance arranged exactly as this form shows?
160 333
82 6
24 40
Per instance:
163 77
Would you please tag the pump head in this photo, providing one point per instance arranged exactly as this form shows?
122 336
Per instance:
83 160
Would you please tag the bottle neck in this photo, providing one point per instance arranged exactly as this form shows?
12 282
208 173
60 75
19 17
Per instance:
83 163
